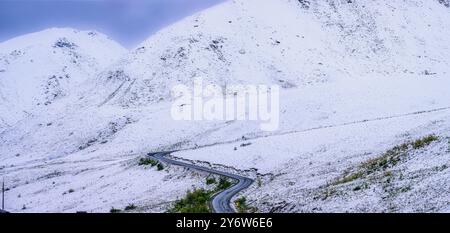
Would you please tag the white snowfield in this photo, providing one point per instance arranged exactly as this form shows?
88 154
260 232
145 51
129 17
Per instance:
40 68
358 78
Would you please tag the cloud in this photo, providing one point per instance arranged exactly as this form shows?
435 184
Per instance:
128 21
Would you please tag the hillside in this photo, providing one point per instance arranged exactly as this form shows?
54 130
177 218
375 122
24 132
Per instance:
286 42
358 78
43 67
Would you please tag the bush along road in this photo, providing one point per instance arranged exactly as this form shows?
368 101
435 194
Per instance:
221 201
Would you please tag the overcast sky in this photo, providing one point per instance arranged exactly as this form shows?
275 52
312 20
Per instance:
127 21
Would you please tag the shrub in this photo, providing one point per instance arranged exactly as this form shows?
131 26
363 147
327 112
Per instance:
160 167
147 161
243 207
259 182
223 184
241 204
194 202
130 207
210 180
114 210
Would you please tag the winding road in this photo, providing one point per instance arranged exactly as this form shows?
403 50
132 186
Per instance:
220 202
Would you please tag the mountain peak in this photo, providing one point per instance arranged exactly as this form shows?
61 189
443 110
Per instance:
312 42
42 67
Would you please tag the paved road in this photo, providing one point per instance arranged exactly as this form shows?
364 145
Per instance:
221 202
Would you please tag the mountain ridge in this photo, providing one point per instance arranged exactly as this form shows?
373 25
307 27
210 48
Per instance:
245 42
40 68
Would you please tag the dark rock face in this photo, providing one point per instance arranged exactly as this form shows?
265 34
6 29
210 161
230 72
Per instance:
64 43
304 4
446 3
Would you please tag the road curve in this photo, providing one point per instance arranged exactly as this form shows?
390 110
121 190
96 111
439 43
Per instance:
220 202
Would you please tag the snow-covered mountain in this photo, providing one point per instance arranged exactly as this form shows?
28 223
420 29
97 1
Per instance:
358 78
287 42
40 68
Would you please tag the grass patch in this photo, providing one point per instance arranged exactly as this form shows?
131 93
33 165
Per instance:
325 194
389 159
350 178
425 141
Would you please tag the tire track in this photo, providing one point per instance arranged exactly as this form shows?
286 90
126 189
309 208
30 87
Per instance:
318 127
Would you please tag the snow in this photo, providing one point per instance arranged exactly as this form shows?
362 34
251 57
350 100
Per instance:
244 42
43 67
357 79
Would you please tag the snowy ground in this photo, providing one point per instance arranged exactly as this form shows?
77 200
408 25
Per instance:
377 78
321 136
294 168
94 185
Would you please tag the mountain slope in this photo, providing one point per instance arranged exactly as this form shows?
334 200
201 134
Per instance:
358 78
40 68
286 42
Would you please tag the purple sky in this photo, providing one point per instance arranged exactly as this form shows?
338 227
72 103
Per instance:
127 21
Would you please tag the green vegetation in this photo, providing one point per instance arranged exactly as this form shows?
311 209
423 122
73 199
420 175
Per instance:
389 159
210 180
223 184
388 174
241 204
130 207
350 178
423 142
114 210
151 162
147 161
243 207
195 202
